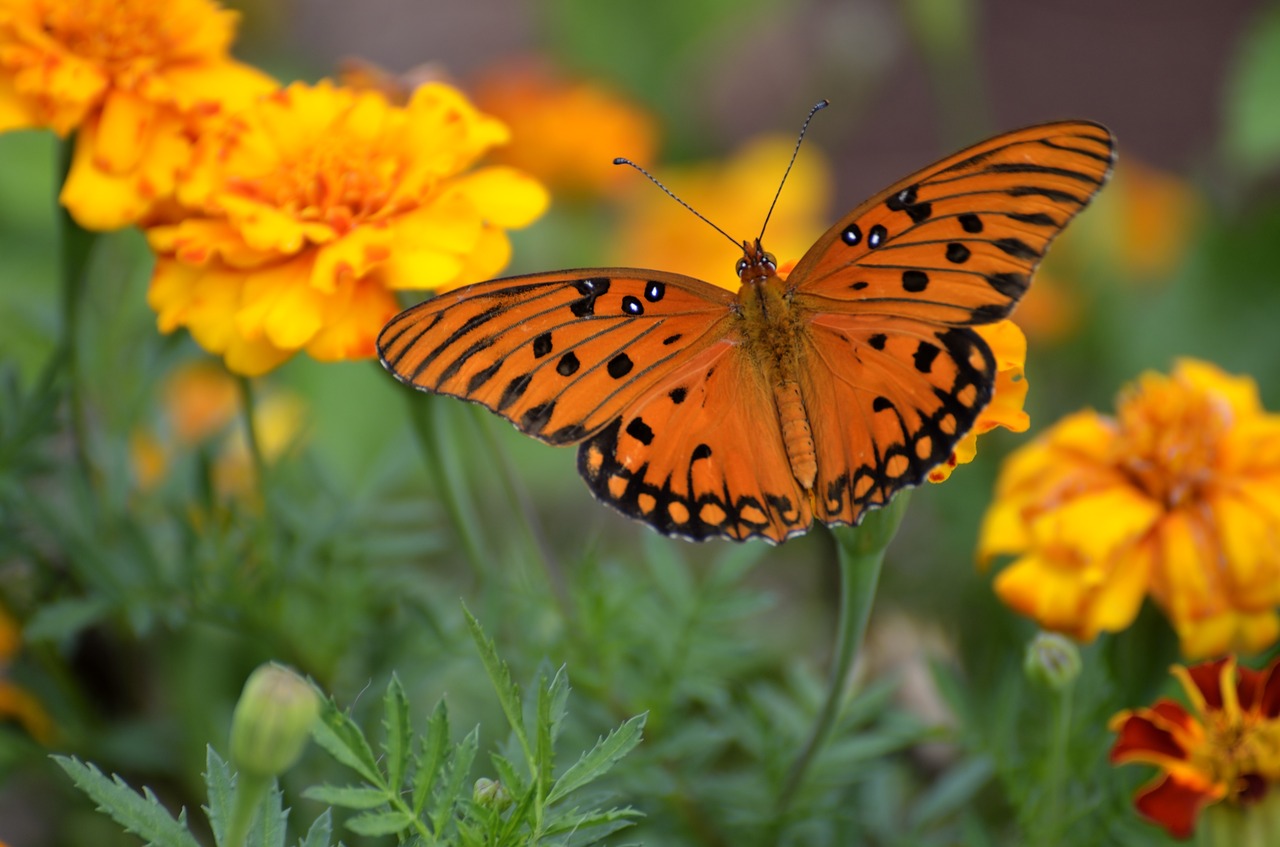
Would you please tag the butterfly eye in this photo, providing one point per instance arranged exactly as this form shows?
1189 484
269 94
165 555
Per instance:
741 266
770 261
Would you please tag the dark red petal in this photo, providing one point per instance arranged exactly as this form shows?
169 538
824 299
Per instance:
1140 734
1173 805
1270 700
1249 688
1172 712
1251 789
1207 678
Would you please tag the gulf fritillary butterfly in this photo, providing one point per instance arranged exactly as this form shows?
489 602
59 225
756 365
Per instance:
708 413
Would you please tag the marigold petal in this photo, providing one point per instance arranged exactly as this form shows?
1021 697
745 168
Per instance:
253 356
503 196
351 257
1142 739
124 132
16 111
353 318
1041 589
224 85
279 303
1226 631
1241 392
1096 524
17 703
1175 804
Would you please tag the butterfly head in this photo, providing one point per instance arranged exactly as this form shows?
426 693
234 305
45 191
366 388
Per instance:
756 265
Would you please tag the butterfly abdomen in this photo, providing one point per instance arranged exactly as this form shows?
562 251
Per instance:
796 434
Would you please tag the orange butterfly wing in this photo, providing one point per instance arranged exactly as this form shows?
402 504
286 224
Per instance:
891 375
557 354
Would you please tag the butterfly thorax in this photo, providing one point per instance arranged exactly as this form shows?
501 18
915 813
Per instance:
771 330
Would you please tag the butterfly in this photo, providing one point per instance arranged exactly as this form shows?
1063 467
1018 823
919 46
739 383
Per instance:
703 412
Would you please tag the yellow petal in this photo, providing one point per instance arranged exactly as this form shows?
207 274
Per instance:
503 196
353 319
351 257
124 132
279 302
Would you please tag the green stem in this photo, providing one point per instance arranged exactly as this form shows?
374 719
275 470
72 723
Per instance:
248 408
1057 776
461 514
861 555
76 249
250 791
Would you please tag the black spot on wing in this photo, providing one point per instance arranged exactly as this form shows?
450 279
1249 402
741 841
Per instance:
640 431
542 345
515 390
619 366
590 289
568 364
1017 248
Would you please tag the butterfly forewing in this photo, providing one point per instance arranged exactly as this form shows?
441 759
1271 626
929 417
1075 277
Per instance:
560 354
956 243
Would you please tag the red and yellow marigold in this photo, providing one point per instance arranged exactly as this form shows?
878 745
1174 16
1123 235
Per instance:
1225 748
311 208
135 79
1176 497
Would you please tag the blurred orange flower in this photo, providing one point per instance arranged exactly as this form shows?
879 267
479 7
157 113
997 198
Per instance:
313 206
1225 748
659 233
568 131
134 77
1177 496
15 701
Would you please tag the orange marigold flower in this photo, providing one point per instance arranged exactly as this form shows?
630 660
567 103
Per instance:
1005 409
569 130
1177 496
15 701
313 206
1225 748
135 77
660 233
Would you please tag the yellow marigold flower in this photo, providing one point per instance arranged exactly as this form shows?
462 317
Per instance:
15 701
735 194
1177 496
569 131
1225 748
313 206
134 77
1005 409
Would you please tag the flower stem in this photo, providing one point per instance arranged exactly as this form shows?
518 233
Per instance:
861 555
250 790
1057 776
248 407
76 248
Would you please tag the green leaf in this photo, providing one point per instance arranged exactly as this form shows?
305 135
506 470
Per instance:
339 735
221 791
140 814
599 759
457 768
396 724
348 796
1253 122
956 789
433 756
320 832
614 819
381 823
269 826
500 675
518 816
63 619
544 754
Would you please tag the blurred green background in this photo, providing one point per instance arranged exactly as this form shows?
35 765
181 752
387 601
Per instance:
141 621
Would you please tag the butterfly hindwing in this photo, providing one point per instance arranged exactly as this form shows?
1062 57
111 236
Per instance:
558 354
957 242
701 454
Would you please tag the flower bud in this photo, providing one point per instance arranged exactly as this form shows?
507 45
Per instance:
272 721
491 793
1053 660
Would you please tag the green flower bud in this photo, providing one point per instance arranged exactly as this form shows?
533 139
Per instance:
1052 660
491 793
272 721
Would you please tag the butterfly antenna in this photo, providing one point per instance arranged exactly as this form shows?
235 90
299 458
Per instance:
671 194
817 107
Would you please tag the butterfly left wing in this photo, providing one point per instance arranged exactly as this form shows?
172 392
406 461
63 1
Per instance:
558 354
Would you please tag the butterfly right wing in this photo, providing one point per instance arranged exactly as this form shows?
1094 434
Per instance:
560 354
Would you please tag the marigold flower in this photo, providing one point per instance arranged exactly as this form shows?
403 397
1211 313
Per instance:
313 206
569 130
136 78
1176 496
15 701
1225 748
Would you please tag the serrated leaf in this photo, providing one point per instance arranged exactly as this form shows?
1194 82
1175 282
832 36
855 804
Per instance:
396 724
270 823
139 814
433 756
952 792
599 759
544 751
518 815
380 823
500 676
457 768
338 734
221 792
619 818
320 832
348 796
